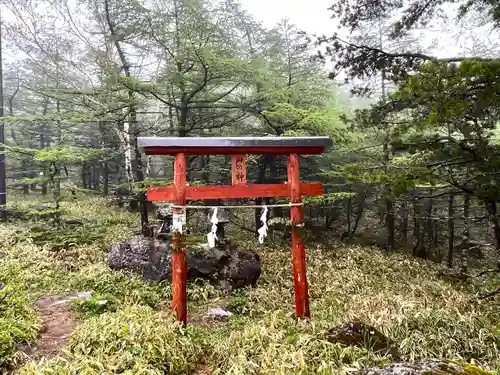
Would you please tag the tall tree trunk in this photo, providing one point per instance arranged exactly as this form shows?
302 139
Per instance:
435 236
491 209
58 123
105 178
348 210
96 176
416 227
389 203
465 235
137 170
205 171
84 174
429 225
127 150
419 246
44 142
389 207
404 222
24 164
358 214
451 229
44 170
104 165
273 174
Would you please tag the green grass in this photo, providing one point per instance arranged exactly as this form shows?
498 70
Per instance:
421 313
18 320
134 340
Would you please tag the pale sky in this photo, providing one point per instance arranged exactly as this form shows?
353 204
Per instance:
311 16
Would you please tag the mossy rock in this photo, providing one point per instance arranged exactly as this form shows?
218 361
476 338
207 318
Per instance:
425 368
358 334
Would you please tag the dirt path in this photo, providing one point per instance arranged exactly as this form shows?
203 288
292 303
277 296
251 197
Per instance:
57 326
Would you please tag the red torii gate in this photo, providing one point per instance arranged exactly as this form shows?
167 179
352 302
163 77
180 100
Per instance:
238 147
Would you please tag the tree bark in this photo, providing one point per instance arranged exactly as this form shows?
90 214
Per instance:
451 229
389 207
418 247
429 226
105 178
491 209
465 235
404 222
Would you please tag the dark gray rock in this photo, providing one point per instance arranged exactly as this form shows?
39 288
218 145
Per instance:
152 259
240 268
202 265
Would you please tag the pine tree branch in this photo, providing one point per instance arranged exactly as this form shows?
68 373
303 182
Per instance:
409 55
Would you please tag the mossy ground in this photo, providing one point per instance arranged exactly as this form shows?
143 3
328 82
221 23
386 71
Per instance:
424 315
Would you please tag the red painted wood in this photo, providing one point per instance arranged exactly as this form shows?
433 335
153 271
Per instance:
298 250
236 191
239 169
179 257
302 150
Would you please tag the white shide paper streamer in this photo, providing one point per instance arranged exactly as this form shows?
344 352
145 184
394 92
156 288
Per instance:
263 229
211 237
178 221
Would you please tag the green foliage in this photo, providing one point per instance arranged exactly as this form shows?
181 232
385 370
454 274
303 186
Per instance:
136 340
18 319
327 198
403 298
468 337
58 238
96 305
64 153
398 178
453 111
276 343
309 121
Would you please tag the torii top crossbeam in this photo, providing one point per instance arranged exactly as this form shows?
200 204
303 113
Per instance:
179 193
233 145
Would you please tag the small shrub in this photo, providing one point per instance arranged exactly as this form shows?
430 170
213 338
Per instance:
96 305
238 303
125 287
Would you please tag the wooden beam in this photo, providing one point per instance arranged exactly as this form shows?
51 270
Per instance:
228 150
235 191
233 145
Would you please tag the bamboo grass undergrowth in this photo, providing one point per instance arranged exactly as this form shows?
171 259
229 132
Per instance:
422 314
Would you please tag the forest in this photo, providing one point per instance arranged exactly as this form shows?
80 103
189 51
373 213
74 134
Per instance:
403 247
